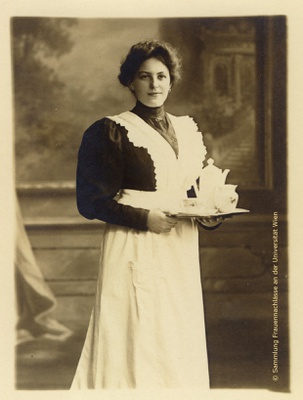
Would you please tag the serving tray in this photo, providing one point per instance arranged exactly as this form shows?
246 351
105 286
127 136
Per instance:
210 213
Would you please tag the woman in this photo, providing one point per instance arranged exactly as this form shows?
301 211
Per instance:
147 325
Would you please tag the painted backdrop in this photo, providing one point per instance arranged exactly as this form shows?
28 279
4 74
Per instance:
65 78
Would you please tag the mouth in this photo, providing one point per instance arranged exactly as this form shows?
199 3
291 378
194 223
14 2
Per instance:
154 94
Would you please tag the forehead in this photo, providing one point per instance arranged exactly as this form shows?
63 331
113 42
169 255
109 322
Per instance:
153 65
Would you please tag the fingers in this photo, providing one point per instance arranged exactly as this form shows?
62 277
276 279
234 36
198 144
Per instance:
207 220
163 230
168 224
158 222
171 221
211 220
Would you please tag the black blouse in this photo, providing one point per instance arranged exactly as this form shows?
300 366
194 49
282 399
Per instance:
109 162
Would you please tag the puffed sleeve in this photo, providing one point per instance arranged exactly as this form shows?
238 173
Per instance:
100 177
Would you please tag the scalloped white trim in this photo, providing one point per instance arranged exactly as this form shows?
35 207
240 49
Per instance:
192 149
172 174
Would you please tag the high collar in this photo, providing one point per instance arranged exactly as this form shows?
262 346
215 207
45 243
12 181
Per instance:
147 112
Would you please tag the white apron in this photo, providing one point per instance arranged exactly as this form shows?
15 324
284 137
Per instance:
147 326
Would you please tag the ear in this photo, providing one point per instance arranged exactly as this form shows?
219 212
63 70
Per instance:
131 87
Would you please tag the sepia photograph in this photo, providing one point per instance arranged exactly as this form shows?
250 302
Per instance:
233 91
150 203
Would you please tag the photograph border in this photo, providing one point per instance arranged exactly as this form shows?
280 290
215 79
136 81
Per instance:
116 8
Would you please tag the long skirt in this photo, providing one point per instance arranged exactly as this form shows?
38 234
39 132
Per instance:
147 326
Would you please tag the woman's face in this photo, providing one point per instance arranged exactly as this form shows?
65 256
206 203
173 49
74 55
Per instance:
151 83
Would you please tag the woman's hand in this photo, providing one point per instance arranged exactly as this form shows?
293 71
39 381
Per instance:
158 222
210 222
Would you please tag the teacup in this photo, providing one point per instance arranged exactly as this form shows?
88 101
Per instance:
226 198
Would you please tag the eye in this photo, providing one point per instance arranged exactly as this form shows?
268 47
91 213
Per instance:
161 76
143 76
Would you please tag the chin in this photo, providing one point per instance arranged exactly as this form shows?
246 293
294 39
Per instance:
153 103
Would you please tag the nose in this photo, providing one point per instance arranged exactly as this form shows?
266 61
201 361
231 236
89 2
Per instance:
153 82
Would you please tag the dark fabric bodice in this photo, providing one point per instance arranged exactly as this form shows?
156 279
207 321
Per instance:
158 119
109 162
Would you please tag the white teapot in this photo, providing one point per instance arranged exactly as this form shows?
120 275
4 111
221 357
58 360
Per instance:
212 175
210 178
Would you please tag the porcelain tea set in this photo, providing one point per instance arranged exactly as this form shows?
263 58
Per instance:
212 193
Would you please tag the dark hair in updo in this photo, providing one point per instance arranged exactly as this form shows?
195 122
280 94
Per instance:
145 50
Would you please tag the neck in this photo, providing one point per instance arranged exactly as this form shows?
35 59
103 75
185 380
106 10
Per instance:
149 112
